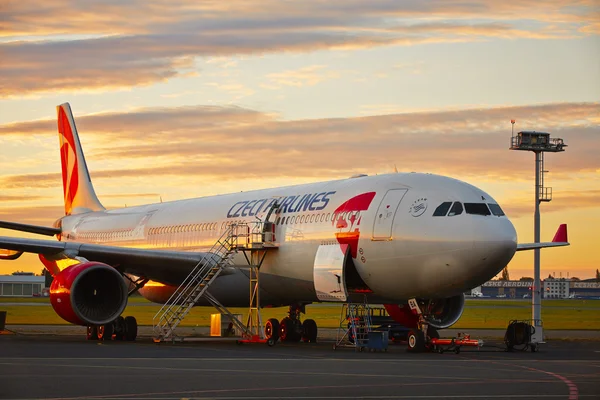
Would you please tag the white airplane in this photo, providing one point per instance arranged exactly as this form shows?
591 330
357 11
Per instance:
394 237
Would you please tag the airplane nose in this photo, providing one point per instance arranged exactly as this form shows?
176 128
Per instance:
494 245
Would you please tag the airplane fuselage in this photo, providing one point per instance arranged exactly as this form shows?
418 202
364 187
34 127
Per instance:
399 248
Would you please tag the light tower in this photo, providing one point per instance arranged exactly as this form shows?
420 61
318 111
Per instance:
539 143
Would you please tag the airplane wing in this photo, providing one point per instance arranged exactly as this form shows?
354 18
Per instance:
560 239
40 230
165 266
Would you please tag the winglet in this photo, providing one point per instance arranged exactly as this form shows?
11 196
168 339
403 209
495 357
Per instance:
561 234
560 239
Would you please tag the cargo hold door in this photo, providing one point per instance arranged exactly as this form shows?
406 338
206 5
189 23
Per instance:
329 272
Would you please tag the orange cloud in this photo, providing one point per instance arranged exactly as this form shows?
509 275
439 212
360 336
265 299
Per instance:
9 197
45 215
59 17
136 43
207 142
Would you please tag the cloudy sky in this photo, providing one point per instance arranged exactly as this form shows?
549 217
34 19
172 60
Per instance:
179 99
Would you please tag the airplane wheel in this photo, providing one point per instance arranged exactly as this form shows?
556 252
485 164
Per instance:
309 329
105 332
272 329
416 341
92 332
119 325
130 328
288 330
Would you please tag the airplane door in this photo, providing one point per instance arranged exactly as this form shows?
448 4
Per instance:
382 227
328 272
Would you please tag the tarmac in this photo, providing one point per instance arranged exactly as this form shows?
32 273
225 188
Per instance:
50 363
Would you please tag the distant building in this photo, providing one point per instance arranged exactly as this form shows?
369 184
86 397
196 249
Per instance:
585 289
556 288
21 285
553 288
507 289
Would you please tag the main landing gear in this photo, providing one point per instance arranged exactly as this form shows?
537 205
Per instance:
291 329
120 329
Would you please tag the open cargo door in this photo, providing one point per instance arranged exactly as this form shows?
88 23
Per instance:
329 272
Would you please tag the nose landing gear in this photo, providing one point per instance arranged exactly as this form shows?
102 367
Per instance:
426 338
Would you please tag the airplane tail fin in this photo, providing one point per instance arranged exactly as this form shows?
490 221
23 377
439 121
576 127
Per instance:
79 193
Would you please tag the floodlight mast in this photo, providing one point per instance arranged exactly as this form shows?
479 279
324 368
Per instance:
539 143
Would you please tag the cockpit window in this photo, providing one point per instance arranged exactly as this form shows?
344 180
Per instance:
456 209
495 209
477 209
442 209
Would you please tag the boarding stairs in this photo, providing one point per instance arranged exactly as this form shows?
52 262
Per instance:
355 325
196 284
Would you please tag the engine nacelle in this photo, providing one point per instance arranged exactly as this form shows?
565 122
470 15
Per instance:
89 293
157 293
439 313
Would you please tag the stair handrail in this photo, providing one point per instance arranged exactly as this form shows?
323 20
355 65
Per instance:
219 253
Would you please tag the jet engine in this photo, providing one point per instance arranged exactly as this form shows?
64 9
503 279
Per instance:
89 293
439 313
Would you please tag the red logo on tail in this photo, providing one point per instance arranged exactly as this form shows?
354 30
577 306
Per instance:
68 158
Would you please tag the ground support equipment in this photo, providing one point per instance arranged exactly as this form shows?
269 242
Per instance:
454 344
523 335
355 326
238 237
381 321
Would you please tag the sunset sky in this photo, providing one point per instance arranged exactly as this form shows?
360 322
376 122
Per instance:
179 99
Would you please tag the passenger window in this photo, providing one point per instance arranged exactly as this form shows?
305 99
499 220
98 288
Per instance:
456 209
442 209
477 209
496 210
